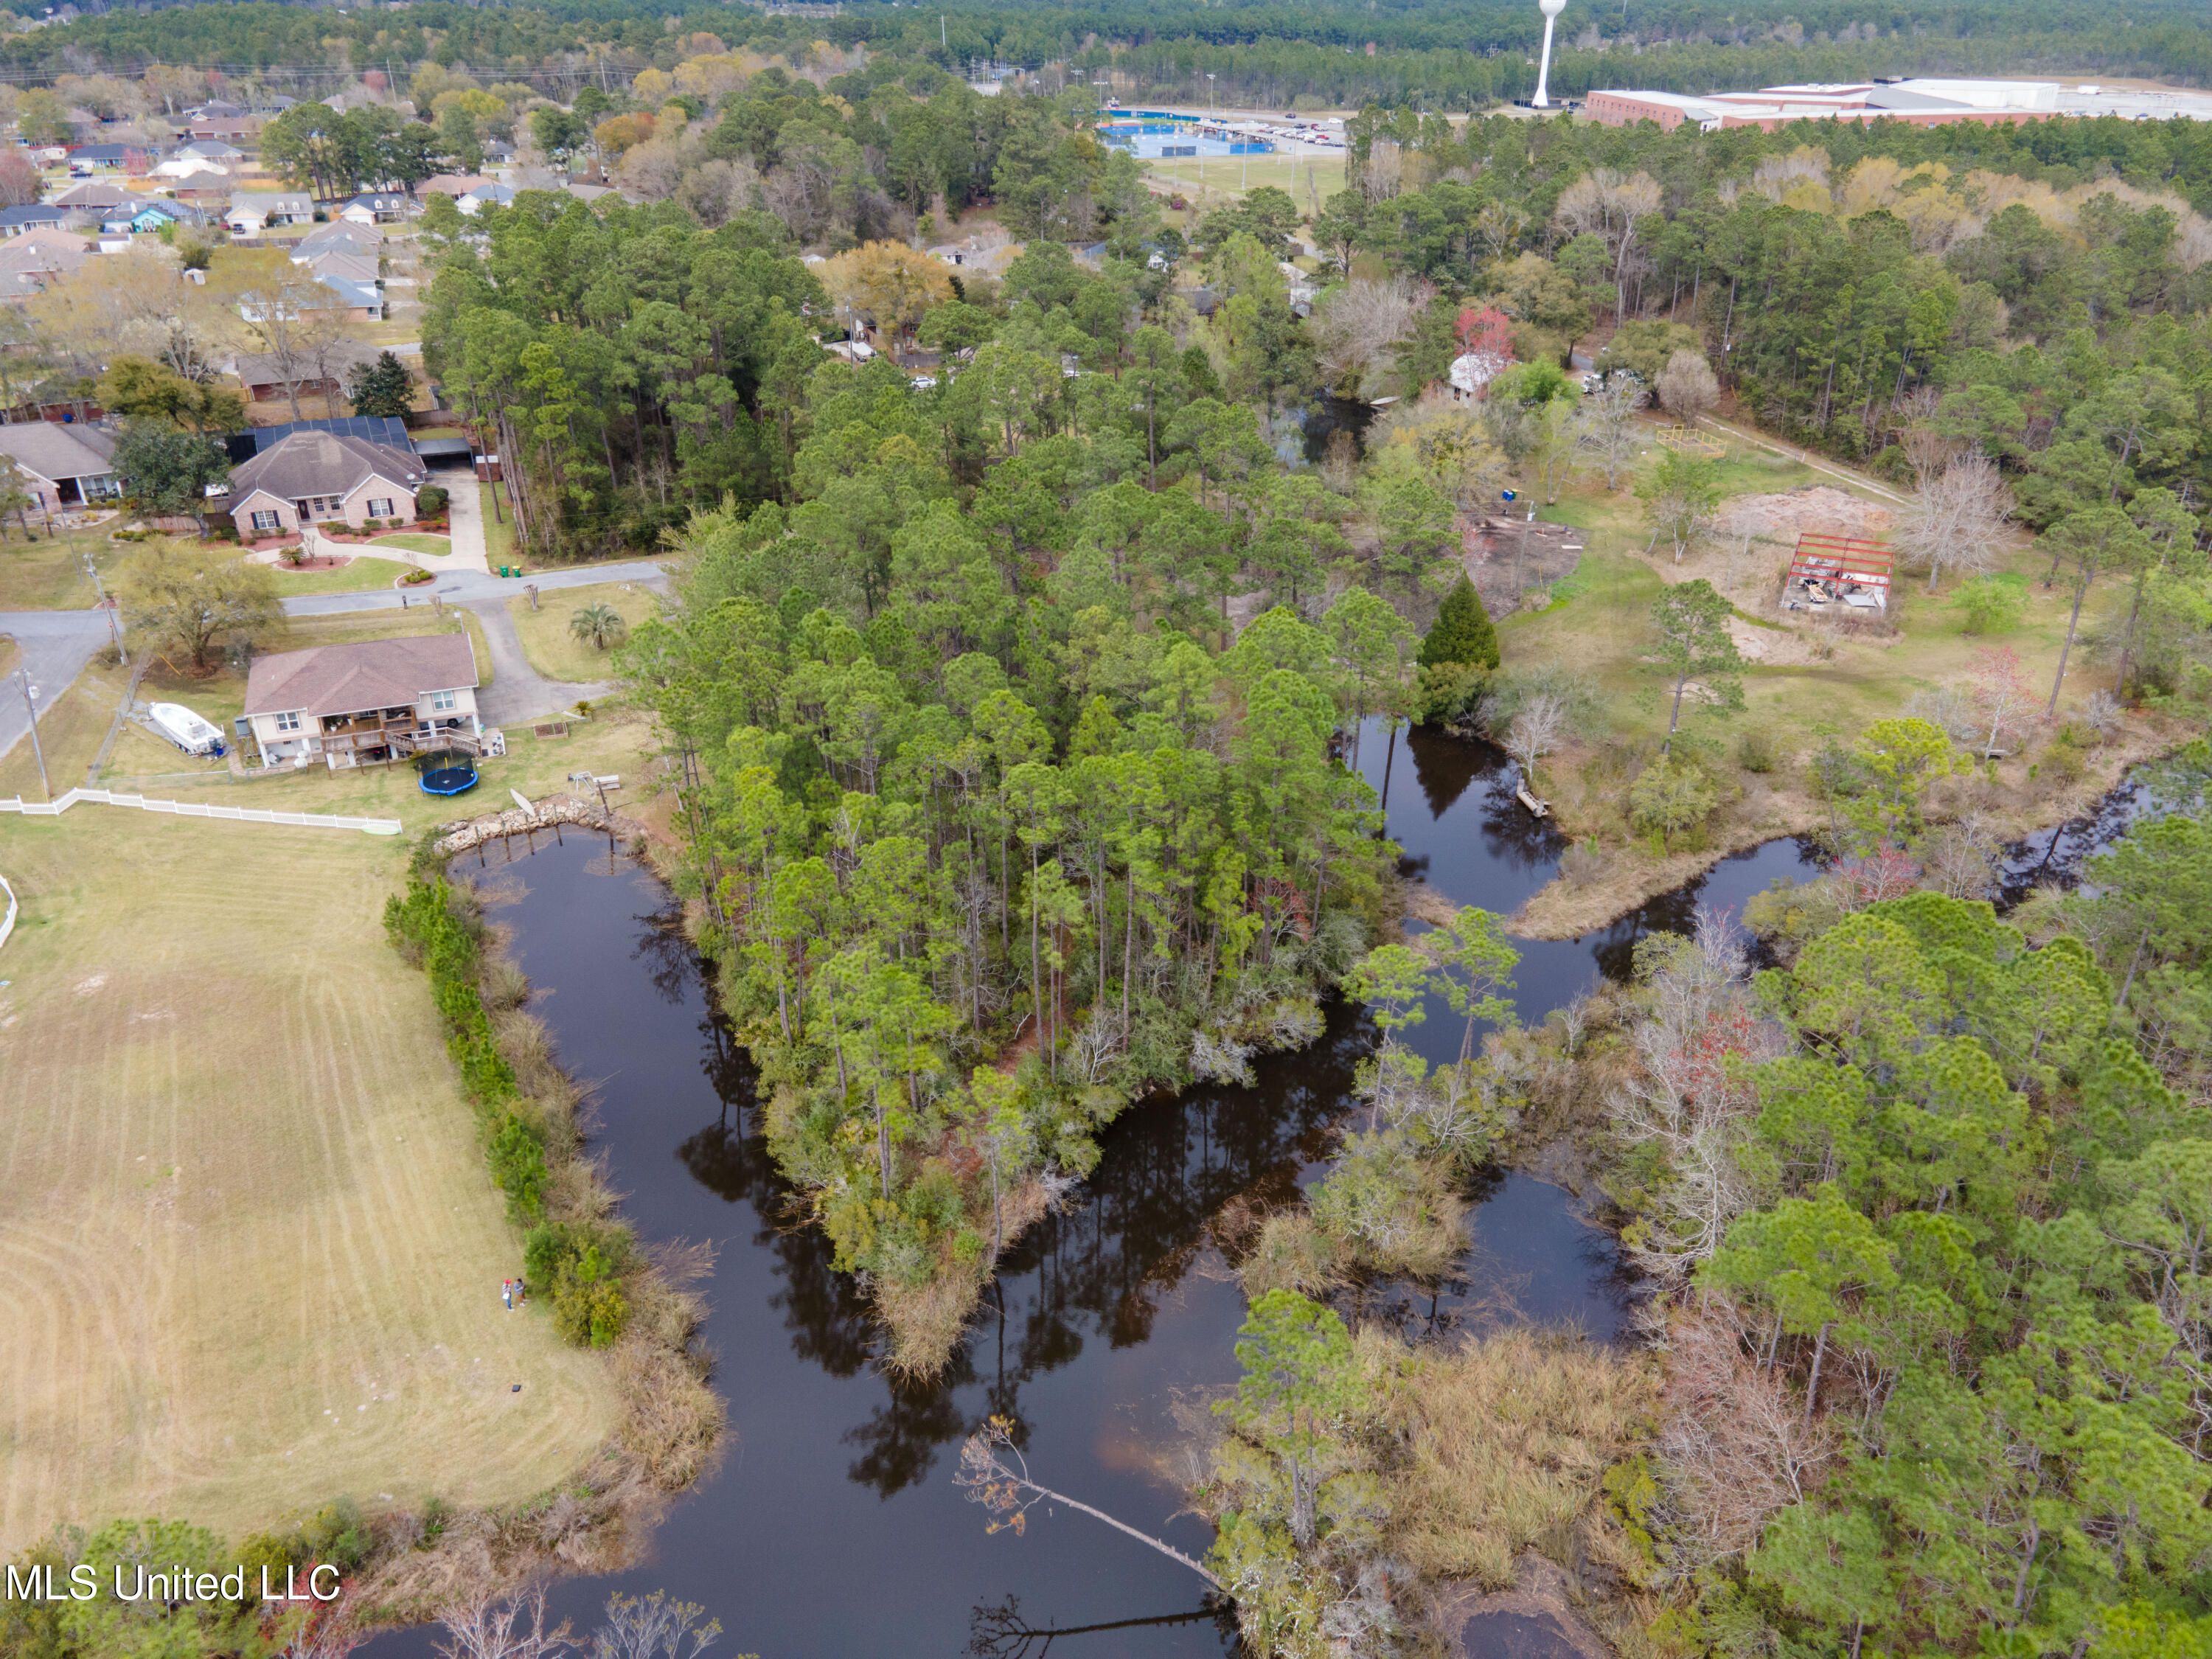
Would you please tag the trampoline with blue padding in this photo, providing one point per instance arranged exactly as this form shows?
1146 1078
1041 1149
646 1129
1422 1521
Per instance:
448 772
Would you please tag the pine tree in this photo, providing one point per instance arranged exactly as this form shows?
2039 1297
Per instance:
383 387
1463 632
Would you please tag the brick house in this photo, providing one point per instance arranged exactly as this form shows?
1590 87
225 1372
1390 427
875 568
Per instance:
313 478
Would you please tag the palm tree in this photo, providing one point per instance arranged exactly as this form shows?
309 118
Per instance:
600 625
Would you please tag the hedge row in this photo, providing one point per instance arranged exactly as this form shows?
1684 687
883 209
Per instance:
578 1265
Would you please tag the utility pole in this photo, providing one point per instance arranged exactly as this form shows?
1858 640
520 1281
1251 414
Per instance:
114 627
32 709
943 40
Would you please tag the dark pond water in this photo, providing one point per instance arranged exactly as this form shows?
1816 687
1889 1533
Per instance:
1328 417
833 1527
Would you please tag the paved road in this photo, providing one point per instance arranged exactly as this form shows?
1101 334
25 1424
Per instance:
56 646
473 589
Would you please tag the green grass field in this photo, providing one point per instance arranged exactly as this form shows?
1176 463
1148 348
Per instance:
48 573
359 576
1604 626
1227 176
253 1255
437 546
498 526
557 653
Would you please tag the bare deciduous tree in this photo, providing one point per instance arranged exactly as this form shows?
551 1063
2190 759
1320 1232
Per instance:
1602 204
1735 1448
653 1627
1355 326
489 1626
1687 386
2002 700
1535 731
1608 428
1960 859
1385 173
1682 1098
1957 519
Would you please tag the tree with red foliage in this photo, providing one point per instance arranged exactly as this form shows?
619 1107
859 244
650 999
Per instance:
1489 331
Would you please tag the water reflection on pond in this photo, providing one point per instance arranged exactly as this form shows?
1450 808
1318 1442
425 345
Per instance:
832 1527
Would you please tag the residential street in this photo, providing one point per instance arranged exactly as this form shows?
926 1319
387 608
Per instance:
56 646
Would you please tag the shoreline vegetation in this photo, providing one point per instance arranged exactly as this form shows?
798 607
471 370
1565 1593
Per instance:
581 1262
1570 906
1835 1359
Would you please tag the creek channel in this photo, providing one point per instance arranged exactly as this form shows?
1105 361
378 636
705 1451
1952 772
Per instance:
831 1529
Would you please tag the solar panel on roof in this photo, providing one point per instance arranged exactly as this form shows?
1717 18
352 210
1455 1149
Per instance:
376 429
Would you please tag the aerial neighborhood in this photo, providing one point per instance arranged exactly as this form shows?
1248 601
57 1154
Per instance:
1321 832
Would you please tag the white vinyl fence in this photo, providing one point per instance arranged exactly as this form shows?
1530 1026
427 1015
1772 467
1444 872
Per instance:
200 809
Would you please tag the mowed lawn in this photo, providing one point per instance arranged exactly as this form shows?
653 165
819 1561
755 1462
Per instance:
359 575
252 1255
547 640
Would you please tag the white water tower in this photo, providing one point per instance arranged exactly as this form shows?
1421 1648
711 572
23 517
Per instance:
1551 9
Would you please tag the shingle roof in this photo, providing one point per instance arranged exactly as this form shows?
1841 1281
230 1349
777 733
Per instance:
333 261
351 293
47 238
39 259
54 450
255 368
16 218
348 679
321 463
94 194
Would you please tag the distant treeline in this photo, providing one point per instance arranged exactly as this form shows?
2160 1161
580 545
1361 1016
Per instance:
1457 55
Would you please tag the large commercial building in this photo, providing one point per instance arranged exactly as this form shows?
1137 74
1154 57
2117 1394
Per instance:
1925 103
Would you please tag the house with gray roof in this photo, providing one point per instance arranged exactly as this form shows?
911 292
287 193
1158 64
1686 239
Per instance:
28 269
332 259
313 478
377 699
15 219
364 300
62 465
266 380
94 196
252 209
338 236
377 207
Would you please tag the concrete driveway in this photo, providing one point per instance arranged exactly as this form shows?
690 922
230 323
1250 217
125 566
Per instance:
518 692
